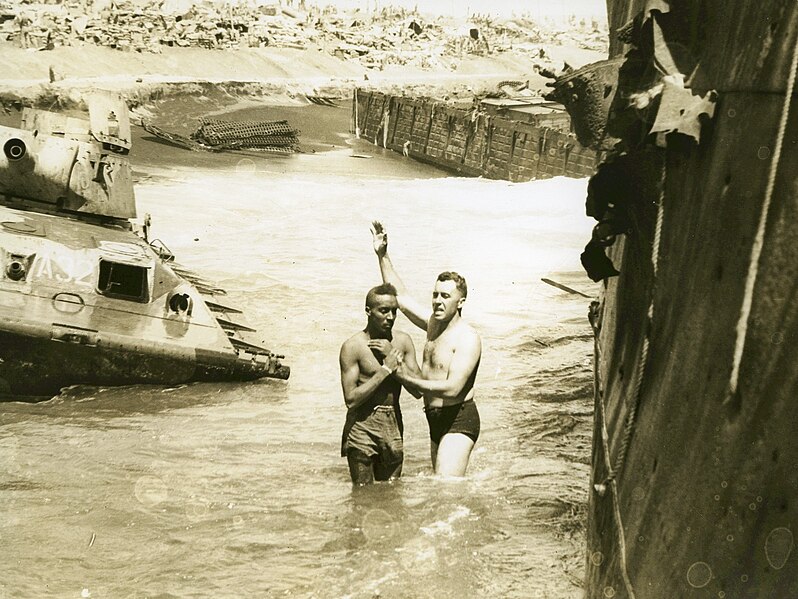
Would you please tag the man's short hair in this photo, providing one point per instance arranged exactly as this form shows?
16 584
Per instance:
384 289
459 281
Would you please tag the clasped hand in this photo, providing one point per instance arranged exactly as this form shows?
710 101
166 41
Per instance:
392 357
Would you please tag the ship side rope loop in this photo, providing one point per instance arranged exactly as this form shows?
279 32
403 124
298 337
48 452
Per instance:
631 416
756 251
607 460
759 240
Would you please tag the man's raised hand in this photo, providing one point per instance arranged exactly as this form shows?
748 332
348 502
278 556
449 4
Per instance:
379 238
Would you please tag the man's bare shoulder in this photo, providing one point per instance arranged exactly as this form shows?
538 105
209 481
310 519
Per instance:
465 338
355 342
401 337
465 330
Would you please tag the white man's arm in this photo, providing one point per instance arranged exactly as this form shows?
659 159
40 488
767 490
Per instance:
464 362
354 394
409 307
414 311
410 365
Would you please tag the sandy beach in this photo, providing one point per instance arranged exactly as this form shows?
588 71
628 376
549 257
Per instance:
278 71
176 88
174 68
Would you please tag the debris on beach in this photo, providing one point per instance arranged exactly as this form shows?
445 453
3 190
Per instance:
375 38
271 136
175 139
276 137
323 100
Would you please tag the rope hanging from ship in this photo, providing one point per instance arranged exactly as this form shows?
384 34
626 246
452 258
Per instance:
631 416
759 239
756 250
614 471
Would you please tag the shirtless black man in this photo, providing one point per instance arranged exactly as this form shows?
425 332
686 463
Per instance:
372 437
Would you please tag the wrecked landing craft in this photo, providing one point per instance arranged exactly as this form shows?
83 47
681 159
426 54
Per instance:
85 299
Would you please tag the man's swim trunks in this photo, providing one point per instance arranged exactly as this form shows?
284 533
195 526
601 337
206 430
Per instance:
376 433
459 418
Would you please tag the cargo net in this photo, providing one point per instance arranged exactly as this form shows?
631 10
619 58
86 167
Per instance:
267 136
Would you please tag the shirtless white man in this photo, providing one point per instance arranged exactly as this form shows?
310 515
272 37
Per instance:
451 359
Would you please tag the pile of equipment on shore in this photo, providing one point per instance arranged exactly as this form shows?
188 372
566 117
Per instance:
272 136
375 38
217 135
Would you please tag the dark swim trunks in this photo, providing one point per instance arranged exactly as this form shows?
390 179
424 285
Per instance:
376 435
459 418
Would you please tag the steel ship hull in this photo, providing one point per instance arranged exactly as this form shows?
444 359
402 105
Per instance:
695 458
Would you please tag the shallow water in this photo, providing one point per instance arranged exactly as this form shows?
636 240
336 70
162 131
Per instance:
238 490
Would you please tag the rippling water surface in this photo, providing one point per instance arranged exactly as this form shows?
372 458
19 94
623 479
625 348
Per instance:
238 490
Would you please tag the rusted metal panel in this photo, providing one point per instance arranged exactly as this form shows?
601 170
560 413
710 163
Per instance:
473 143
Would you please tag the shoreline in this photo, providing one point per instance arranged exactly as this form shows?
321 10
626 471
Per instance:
270 75
178 88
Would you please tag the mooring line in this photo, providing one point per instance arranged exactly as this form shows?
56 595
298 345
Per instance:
631 416
613 485
759 240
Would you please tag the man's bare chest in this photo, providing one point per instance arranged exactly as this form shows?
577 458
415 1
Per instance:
438 353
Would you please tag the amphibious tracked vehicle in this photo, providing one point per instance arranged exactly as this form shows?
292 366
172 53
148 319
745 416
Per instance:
85 296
